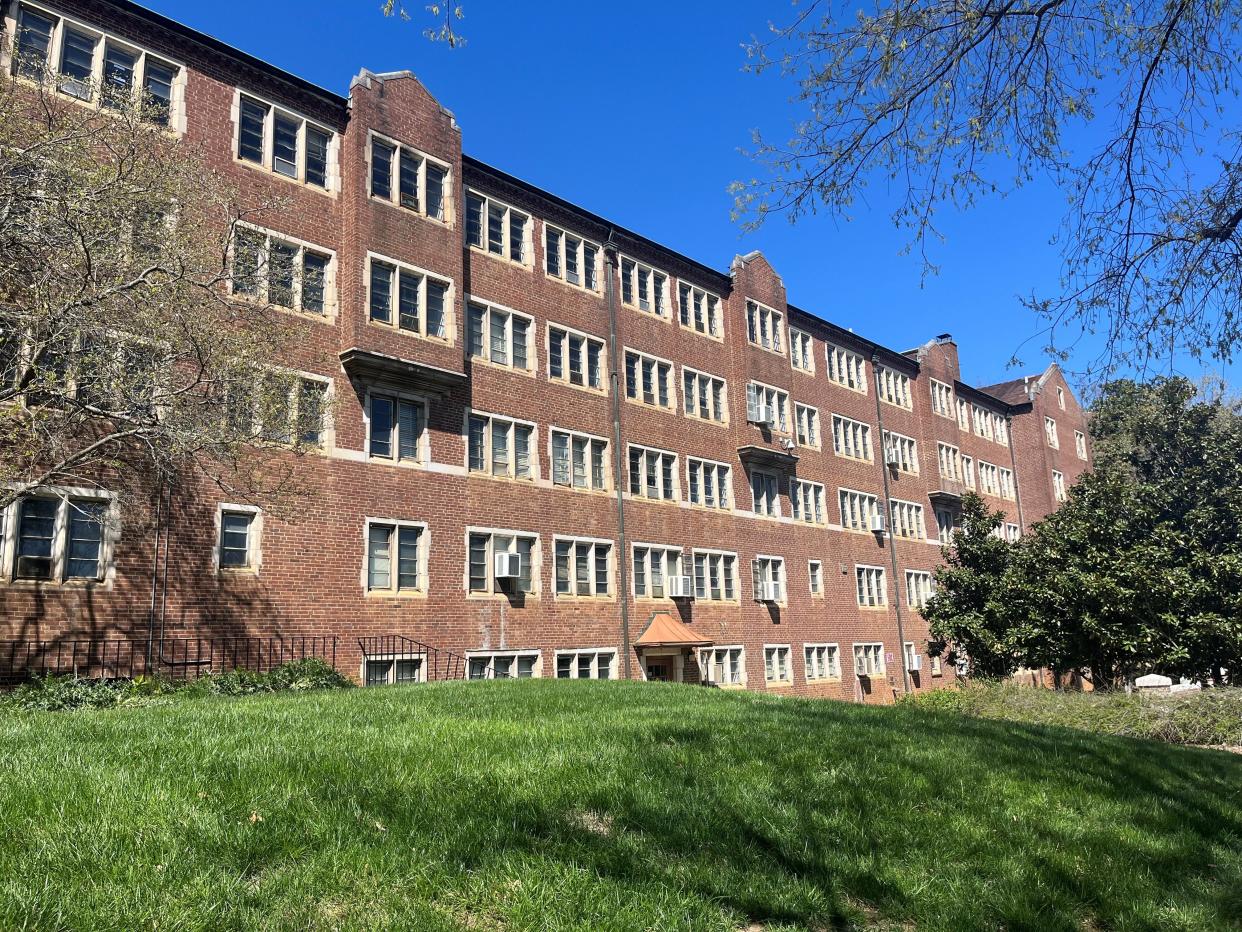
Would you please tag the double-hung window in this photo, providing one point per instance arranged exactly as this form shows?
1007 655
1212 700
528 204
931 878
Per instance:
857 509
406 177
869 660
765 493
500 336
238 545
649 380
963 415
409 299
583 567
57 536
723 666
950 461
808 501
1080 444
768 578
283 272
894 387
579 461
807 419
654 566
586 664
1058 485
698 310
851 438
872 588
1006 483
1002 430
919 588
500 447
396 428
989 478
823 661
1050 432
764 327
704 396
846 368
815 576
709 483
968 470
396 556
907 520
482 546
941 398
644 288
571 258
283 142
801 351
575 358
984 424
902 452
497 228
652 473
767 405
715 575
776 665
946 521
1013 533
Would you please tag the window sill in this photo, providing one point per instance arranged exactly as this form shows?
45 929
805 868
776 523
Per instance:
408 212
873 608
92 105
400 464
809 373
702 333
778 684
326 316
813 680
897 405
62 585
566 597
501 596
630 496
654 315
652 406
238 572
526 264
580 489
298 182
852 459
475 474
766 349
596 292
388 594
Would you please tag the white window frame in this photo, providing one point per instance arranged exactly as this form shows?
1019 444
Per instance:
394 311
723 486
473 656
775 399
643 485
874 593
659 365
394 198
331 168
1080 445
920 586
894 387
593 542
874 661
424 549
808 501
263 272
942 400
863 504
526 244
761 320
423 454
511 451
949 461
590 440
768 568
667 555
1005 479
570 334
394 659
494 590
907 450
786 676
846 368
580 252
707 665
727 573
109 535
1050 433
717 394
989 478
906 520
815 578
807 427
658 283
712 325
254 539
490 308
771 493
830 663
1058 486
859 436
801 351
575 654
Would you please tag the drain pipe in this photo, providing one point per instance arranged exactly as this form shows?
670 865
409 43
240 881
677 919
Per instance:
614 386
888 523
1013 464
155 573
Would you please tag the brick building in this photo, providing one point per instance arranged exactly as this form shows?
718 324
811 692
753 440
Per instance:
543 430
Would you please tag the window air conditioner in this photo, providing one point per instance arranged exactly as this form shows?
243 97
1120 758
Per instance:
891 458
877 524
769 592
680 587
508 565
860 666
760 414
916 663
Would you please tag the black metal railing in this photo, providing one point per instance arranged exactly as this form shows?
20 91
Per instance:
173 658
435 664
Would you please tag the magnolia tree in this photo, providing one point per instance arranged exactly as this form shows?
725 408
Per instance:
128 357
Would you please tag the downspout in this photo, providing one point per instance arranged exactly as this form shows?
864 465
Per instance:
1013 464
614 386
888 522
155 574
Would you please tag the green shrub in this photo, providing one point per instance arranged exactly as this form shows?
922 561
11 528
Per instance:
309 673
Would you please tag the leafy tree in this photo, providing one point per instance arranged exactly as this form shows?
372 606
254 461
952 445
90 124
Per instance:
965 612
950 100
125 359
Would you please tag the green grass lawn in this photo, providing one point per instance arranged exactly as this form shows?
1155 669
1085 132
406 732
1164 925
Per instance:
534 805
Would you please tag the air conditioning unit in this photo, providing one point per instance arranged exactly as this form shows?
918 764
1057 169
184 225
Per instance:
892 459
769 592
508 565
34 567
860 667
761 414
877 524
680 587
916 663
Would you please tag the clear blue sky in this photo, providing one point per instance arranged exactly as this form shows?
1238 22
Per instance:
638 112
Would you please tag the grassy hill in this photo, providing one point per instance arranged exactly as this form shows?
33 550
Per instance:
535 805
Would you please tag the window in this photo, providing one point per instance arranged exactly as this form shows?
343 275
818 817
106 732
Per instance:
767 405
399 670
1006 483
482 546
583 567
851 438
239 527
989 478
282 142
704 396
408 178
1060 398
59 536
1058 485
122 74
651 473
585 664
808 501
950 462
408 299
509 665
396 557
278 407
872 589
723 666
763 327
901 451
1012 533
918 588
776 666
807 419
654 566
1050 432
910 656
983 422
571 258
907 520
698 310
946 521
968 470
768 578
801 351
500 447
579 461
283 272
857 509
1080 444
823 661
648 379
942 399
710 484
500 336
894 387
815 576
1002 430
396 428
497 228
715 575
846 368
575 358
644 288
963 415
869 660
765 494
